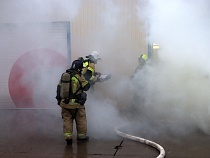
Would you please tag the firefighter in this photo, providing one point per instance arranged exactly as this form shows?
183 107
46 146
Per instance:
89 68
73 108
89 71
142 59
137 103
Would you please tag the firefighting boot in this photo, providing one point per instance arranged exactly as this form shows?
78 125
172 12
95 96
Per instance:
82 137
68 138
69 141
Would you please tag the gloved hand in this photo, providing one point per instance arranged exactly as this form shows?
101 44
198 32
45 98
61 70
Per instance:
104 79
97 74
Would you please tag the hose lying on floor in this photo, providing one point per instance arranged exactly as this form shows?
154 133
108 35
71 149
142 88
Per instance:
142 140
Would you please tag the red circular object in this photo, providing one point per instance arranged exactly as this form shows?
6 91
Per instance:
32 78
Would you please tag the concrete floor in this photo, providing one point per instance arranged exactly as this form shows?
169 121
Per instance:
30 133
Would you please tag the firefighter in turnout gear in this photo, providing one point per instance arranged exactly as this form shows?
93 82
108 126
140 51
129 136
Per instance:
89 71
71 98
137 103
142 59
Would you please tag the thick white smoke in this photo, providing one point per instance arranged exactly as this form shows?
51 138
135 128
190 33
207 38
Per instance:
176 88
102 114
23 11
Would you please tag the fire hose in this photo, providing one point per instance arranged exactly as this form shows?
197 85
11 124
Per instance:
144 141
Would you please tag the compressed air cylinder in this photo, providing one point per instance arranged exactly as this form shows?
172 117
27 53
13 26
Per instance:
65 85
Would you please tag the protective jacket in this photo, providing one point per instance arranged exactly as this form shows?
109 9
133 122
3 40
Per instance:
89 71
78 85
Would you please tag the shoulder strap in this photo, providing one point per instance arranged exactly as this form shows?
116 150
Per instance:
71 94
80 88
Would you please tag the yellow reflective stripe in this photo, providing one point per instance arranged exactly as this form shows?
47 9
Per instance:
92 77
72 100
145 57
74 87
81 135
85 64
84 83
68 134
91 69
75 81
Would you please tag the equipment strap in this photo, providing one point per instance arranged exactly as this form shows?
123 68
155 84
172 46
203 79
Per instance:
70 91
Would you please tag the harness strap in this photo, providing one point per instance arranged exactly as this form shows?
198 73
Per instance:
71 94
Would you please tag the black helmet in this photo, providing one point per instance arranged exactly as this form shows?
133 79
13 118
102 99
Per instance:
81 58
77 65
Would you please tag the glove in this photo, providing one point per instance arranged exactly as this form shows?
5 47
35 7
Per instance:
104 79
97 74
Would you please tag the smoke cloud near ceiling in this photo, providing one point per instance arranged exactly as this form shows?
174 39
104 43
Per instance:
175 88
22 11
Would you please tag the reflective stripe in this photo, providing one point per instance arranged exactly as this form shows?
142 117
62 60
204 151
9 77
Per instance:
145 57
92 77
74 87
72 100
88 67
85 64
84 83
91 69
75 81
68 134
81 135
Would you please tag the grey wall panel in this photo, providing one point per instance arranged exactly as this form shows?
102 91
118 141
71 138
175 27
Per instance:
18 40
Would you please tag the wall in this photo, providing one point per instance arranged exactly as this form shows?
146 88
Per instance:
115 28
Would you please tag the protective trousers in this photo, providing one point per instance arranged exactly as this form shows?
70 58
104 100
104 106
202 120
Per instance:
69 115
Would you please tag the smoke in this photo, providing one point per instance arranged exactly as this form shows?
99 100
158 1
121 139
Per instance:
173 89
33 56
39 11
176 87
37 68
25 31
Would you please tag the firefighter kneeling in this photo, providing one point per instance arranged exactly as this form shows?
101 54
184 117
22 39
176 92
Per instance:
71 98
